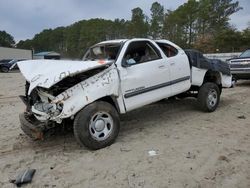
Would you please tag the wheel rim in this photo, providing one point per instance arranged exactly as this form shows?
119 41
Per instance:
212 98
101 126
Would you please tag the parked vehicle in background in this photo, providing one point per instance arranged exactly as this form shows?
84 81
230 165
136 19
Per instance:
240 66
8 64
114 78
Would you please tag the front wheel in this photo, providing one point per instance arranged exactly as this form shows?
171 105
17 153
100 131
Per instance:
97 125
209 97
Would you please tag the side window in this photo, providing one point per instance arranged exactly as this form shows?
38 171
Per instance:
141 52
168 50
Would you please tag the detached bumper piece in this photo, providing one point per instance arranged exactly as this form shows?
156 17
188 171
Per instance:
31 126
24 177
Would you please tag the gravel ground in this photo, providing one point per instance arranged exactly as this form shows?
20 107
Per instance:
192 148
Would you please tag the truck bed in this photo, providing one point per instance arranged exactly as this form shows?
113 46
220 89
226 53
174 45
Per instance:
196 59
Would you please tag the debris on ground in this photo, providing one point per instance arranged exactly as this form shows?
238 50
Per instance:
190 156
135 181
23 177
241 117
223 158
152 153
124 149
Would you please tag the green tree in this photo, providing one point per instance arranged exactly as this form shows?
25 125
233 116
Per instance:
138 26
175 27
228 40
119 29
199 20
72 37
245 39
220 13
190 11
180 25
93 31
157 19
27 44
6 40
201 24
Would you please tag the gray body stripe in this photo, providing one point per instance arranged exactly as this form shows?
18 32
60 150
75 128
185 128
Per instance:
132 94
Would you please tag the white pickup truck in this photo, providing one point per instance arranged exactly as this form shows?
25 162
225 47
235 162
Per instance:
113 78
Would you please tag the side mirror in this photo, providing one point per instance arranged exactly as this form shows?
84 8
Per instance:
124 63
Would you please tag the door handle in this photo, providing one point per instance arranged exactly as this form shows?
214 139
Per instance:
172 64
161 67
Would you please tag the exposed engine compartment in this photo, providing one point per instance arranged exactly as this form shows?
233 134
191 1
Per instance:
39 102
70 81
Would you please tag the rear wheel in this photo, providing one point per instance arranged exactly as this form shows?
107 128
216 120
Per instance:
209 97
97 125
4 69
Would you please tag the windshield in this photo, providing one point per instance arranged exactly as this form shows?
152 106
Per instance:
103 52
245 54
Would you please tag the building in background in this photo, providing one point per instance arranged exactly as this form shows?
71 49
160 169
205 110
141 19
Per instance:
47 55
14 53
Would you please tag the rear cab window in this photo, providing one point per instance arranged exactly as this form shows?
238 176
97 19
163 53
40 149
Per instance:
168 49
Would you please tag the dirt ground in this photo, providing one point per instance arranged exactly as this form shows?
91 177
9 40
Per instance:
193 149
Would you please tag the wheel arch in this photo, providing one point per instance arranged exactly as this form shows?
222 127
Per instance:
213 76
111 100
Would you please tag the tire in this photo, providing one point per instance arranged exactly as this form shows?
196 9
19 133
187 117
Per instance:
4 69
209 97
97 125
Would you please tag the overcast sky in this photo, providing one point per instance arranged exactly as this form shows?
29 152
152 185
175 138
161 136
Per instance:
25 18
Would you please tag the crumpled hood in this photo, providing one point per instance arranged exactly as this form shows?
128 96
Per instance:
46 73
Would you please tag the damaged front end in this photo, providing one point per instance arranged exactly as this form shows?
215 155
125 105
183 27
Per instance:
35 120
49 105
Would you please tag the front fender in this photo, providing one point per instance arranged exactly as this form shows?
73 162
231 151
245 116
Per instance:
105 83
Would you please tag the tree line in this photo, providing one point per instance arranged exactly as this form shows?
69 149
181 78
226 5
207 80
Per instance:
6 40
202 24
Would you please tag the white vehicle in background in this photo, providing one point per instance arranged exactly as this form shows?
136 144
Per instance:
113 78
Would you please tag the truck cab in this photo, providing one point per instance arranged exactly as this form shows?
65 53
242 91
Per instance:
149 74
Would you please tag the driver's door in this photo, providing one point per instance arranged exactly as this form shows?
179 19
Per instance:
146 78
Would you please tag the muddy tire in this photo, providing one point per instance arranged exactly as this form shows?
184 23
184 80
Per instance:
209 97
97 125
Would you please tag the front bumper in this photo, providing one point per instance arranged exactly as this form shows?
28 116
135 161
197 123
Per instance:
241 73
31 126
240 68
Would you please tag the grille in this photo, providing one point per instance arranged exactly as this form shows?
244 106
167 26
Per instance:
239 65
